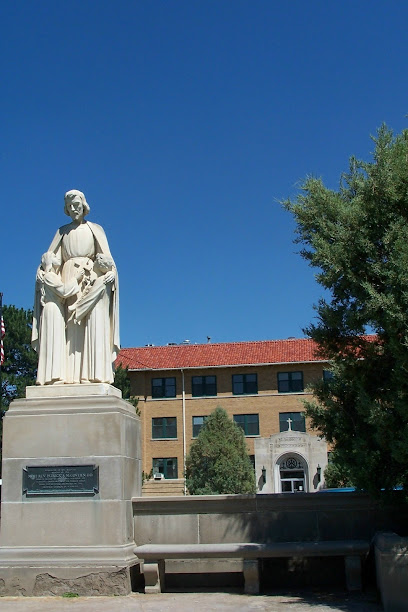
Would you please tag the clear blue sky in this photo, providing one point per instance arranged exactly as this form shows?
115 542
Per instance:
185 122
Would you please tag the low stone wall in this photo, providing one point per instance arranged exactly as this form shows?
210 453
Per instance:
306 517
259 518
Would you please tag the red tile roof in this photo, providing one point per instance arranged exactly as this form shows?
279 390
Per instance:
212 355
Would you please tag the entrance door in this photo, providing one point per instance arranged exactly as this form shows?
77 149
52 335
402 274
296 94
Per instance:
292 475
292 485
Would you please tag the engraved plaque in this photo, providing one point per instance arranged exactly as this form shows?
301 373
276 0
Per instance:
75 480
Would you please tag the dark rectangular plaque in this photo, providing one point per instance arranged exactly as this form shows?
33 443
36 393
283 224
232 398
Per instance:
60 480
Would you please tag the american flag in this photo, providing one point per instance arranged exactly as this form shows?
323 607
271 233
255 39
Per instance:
3 333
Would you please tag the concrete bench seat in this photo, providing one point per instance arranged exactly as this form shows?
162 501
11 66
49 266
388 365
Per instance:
154 556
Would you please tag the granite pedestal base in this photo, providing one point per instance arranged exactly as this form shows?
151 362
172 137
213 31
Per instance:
64 538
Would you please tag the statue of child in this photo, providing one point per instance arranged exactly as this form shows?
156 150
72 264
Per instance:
96 287
51 294
93 311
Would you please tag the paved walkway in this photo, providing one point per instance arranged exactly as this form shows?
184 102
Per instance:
196 602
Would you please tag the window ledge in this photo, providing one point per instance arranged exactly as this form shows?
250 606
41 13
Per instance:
160 399
245 394
202 396
156 439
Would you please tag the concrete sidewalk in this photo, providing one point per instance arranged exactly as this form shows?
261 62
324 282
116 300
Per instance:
195 602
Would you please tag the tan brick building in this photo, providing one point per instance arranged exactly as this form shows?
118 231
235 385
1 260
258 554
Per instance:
261 385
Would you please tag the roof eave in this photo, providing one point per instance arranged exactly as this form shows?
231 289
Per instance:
226 365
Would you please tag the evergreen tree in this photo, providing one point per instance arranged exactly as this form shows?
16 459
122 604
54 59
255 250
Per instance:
218 462
336 473
20 360
122 380
357 238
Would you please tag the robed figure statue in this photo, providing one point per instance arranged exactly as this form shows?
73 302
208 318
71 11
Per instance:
81 281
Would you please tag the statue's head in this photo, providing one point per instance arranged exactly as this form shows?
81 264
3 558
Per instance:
104 263
76 205
48 260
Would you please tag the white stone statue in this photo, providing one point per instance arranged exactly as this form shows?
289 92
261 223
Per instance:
52 294
89 302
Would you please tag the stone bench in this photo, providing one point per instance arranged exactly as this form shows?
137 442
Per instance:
155 555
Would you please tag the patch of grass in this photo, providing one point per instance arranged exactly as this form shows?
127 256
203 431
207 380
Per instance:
70 594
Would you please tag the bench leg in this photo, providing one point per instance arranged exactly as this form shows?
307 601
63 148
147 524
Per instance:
154 572
251 576
352 564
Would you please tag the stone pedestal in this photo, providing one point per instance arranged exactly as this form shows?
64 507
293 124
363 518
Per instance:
58 541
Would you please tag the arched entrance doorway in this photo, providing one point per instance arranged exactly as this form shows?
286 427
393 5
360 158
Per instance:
291 474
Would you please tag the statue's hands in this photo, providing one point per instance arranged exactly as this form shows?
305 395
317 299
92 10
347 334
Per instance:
88 265
109 277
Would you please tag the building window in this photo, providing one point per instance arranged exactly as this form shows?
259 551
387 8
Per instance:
249 423
202 386
198 422
295 419
252 460
328 376
166 466
164 387
164 427
290 382
244 384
